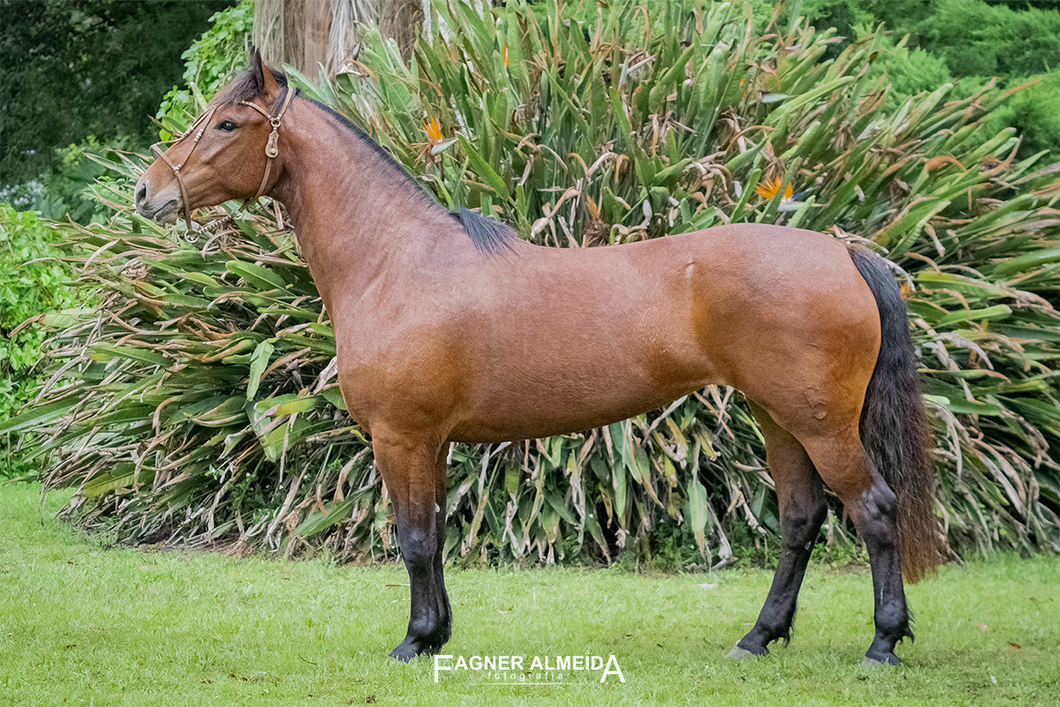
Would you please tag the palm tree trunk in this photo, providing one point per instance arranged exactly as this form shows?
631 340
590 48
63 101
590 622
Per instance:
309 34
398 20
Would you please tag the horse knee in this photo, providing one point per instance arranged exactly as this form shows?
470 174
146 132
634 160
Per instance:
418 548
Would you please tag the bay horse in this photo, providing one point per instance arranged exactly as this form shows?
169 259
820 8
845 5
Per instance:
450 328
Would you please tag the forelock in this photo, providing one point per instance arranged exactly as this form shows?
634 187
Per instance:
245 88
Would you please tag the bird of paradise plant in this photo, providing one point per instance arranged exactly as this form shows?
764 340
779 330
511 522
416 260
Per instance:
432 129
770 188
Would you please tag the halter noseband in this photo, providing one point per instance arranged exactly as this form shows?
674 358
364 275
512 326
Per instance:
272 149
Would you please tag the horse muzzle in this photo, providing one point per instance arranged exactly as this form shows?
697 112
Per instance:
162 205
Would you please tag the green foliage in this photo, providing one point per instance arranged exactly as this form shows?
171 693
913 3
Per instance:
910 72
70 70
843 15
64 188
208 63
203 406
976 39
67 189
33 281
971 40
899 17
1034 112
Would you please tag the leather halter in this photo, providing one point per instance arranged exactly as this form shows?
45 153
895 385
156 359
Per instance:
272 149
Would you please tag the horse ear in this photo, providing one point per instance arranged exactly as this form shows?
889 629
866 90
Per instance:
257 70
270 86
264 81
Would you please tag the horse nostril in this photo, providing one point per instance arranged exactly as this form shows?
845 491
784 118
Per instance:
141 195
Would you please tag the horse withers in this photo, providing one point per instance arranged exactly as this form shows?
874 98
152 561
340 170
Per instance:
450 328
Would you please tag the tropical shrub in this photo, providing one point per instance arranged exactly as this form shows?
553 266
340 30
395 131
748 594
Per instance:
201 397
33 282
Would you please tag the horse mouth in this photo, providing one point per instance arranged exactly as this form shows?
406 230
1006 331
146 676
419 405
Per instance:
166 213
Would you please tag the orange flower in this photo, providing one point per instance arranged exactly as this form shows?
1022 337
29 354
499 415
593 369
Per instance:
505 55
433 130
771 187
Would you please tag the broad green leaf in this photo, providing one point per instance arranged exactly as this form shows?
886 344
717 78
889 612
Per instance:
259 361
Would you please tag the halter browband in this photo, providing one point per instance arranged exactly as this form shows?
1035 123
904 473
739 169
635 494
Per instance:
272 149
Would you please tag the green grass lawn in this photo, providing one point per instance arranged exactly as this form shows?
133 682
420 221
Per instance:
84 625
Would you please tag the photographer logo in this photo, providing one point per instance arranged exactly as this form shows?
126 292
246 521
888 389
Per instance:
530 670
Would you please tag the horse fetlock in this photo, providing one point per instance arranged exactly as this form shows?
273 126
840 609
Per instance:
892 621
759 638
873 659
889 632
433 629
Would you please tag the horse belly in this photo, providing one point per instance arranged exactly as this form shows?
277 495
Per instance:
559 407
587 363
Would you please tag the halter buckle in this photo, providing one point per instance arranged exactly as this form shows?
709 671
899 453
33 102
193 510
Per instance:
271 147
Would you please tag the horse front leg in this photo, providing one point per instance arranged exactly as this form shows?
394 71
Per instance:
441 496
409 467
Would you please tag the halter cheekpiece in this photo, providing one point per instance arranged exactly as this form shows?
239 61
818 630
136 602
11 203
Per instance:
272 148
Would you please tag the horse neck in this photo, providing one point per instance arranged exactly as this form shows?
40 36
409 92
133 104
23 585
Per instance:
356 216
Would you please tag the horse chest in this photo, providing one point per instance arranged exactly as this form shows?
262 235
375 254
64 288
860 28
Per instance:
395 374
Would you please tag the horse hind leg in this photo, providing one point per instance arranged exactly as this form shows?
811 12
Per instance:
802 510
847 469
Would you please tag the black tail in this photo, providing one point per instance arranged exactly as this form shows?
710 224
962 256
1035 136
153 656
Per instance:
894 427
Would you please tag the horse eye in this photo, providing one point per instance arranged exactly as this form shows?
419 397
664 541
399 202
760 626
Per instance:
227 125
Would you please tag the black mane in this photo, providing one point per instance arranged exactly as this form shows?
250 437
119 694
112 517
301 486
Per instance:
380 151
487 235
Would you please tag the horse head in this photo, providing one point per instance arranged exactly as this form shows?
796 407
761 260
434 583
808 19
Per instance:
228 153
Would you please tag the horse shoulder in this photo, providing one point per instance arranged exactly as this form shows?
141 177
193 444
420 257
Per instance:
401 362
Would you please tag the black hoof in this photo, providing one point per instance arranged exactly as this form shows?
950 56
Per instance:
408 650
748 649
873 660
412 647
738 653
